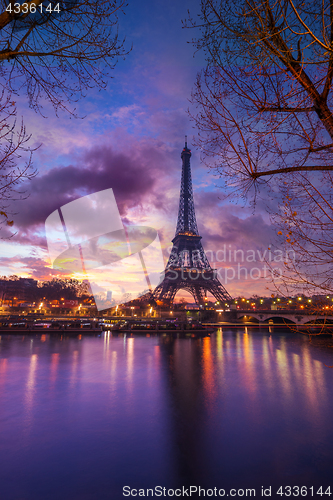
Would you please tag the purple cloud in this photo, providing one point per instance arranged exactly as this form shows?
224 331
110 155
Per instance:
132 178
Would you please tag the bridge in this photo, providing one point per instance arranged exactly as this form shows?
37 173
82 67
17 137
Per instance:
296 316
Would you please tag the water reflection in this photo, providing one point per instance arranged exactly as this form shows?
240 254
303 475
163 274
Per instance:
54 367
224 410
73 376
267 364
3 370
130 363
250 377
220 357
208 370
30 390
283 372
272 394
113 369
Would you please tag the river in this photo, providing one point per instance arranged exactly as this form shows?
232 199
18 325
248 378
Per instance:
80 418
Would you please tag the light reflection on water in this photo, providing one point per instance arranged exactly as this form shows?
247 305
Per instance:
82 417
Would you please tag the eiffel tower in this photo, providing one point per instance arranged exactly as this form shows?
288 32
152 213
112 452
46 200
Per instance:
188 267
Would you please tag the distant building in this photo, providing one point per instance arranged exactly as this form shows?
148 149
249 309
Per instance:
21 289
109 296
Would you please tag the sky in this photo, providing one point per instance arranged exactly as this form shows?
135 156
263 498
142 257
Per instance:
129 138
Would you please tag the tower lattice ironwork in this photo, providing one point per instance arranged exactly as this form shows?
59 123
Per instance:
188 267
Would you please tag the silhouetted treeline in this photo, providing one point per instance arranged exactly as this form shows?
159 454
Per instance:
30 290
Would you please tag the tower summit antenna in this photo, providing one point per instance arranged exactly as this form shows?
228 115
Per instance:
185 141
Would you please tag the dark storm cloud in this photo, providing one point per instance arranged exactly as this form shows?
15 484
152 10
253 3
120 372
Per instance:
132 179
223 223
234 230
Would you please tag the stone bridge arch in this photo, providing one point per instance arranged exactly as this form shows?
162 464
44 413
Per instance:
295 317
264 318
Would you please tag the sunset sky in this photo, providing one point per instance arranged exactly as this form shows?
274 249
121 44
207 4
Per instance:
129 138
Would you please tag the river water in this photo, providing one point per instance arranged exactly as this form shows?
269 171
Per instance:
80 418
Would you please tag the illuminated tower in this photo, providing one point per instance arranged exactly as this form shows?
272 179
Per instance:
188 267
